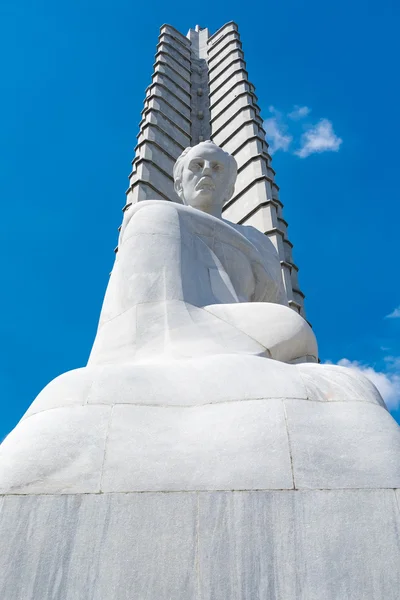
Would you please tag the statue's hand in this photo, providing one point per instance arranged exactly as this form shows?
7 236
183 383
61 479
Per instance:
285 334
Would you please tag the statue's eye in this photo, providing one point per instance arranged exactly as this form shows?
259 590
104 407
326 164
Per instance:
217 167
196 165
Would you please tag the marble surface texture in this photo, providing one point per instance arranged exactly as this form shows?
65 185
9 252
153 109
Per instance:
276 545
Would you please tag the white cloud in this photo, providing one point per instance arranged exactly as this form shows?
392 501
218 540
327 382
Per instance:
395 314
320 138
276 131
387 383
299 112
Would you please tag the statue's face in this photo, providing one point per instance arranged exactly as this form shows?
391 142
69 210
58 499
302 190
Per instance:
205 178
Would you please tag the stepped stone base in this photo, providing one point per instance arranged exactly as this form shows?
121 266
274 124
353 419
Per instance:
125 483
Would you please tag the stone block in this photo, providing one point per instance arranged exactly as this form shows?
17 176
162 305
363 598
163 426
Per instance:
254 169
216 37
142 191
276 238
160 385
223 39
242 101
177 35
246 131
294 277
263 219
105 546
223 50
288 247
226 74
237 77
219 66
164 57
157 118
282 225
275 191
49 451
172 86
298 296
299 545
151 151
240 207
233 125
170 101
241 445
181 79
69 389
167 384
158 104
168 38
171 51
250 149
218 107
155 133
286 271
148 171
338 384
331 441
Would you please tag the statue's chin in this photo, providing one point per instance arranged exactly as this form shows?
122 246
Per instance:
205 201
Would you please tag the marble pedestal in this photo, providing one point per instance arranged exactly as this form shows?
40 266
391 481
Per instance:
280 483
228 545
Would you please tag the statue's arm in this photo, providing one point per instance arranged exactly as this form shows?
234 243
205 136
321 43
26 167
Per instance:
271 263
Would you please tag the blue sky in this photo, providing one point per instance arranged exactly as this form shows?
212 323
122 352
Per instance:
72 89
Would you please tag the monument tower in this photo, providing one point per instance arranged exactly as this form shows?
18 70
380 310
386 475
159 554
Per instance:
200 90
202 453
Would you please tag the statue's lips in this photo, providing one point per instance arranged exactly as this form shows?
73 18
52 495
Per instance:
205 184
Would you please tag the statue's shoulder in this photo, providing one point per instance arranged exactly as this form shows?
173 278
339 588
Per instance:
144 204
163 211
155 206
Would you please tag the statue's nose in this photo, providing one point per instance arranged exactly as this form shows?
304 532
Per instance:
207 169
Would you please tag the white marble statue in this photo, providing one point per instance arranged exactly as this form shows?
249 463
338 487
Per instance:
201 376
207 286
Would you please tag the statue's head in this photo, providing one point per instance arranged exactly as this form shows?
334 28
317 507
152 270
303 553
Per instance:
204 177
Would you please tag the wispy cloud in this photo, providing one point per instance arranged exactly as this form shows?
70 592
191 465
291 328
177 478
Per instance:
276 130
388 383
394 314
283 129
299 112
393 363
319 138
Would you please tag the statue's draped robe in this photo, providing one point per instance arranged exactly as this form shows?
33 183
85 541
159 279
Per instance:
173 262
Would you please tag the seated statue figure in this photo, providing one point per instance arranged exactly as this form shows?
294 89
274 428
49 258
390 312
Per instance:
207 286
200 377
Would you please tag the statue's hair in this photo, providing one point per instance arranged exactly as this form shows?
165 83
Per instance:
178 167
